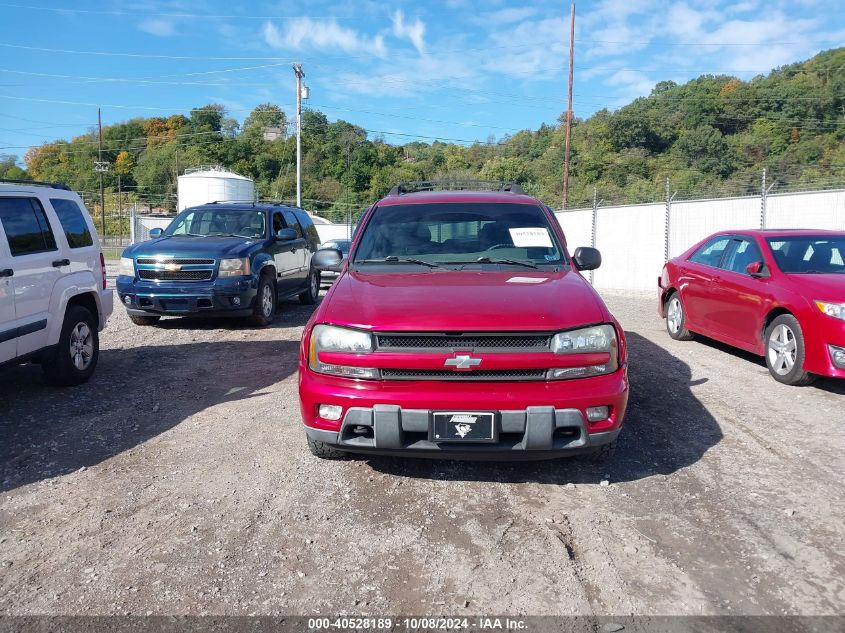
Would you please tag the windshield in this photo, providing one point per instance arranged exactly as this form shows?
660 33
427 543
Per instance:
459 233
247 223
809 254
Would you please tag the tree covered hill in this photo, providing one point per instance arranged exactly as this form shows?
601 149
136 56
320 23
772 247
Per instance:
710 136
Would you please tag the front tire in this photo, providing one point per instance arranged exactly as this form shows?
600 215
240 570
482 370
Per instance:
77 351
144 320
785 351
264 311
309 297
676 318
323 450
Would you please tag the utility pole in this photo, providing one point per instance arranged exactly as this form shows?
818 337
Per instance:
297 69
101 167
569 108
101 170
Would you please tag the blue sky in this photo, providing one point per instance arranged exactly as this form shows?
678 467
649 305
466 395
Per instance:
451 69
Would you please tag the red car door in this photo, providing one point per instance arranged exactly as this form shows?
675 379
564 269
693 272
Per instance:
695 282
740 299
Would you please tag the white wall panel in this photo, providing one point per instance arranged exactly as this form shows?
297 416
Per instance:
577 227
816 210
631 241
692 221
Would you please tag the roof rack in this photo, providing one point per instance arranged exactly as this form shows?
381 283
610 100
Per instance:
455 185
37 183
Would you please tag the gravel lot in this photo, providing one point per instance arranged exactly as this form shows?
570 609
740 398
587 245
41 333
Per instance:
178 481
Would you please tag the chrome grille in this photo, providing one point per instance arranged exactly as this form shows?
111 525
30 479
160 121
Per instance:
173 260
470 342
175 275
464 376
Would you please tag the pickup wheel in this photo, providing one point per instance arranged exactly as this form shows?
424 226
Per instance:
264 310
309 297
676 318
144 320
76 354
324 451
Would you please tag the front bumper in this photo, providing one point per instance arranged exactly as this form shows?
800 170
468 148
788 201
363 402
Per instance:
219 297
534 420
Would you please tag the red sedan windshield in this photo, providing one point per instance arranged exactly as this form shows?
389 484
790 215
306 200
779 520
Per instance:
809 254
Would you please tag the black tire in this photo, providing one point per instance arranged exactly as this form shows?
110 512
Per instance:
602 454
264 310
309 297
78 350
676 327
785 351
323 450
144 320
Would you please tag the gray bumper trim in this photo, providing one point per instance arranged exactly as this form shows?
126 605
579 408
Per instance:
527 434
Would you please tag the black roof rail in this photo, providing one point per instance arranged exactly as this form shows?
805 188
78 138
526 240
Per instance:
455 185
37 183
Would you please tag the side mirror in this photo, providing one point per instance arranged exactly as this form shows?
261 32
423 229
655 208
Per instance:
285 235
327 259
756 269
586 258
156 233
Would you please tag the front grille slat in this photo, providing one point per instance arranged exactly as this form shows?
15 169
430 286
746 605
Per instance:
173 260
175 275
470 342
477 375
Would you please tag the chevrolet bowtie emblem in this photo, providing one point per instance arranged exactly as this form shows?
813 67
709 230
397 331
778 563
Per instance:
462 361
172 267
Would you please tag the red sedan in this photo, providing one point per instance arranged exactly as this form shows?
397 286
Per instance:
778 294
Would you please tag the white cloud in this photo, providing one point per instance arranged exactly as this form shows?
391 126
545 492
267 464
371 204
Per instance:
158 26
305 32
415 31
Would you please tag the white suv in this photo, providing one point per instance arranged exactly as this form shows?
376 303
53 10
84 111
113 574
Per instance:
53 295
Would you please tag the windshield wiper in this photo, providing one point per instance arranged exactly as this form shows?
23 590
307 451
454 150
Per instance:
400 260
487 260
244 237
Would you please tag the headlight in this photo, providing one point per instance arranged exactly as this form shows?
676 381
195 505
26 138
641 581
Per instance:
599 338
234 267
836 310
590 340
127 267
328 338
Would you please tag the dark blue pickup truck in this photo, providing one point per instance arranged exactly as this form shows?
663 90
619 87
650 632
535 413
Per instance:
221 259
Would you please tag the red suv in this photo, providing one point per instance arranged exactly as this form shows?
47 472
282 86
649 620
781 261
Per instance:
778 294
460 327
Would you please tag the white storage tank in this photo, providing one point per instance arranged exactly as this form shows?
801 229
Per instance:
213 184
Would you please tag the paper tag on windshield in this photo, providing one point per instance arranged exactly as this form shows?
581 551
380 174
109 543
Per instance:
531 237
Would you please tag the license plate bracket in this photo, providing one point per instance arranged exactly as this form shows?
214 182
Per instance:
463 427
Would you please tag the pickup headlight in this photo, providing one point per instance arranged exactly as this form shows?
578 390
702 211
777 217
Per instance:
590 340
329 338
836 310
127 267
237 267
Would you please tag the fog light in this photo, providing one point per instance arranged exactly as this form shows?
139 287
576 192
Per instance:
236 301
330 412
838 356
127 300
563 373
596 414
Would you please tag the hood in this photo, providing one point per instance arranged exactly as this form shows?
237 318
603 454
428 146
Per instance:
463 301
216 247
829 287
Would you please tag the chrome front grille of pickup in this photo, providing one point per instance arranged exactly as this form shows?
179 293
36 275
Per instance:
472 342
167 268
463 354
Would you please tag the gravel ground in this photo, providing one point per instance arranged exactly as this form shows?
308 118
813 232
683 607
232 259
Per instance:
178 482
